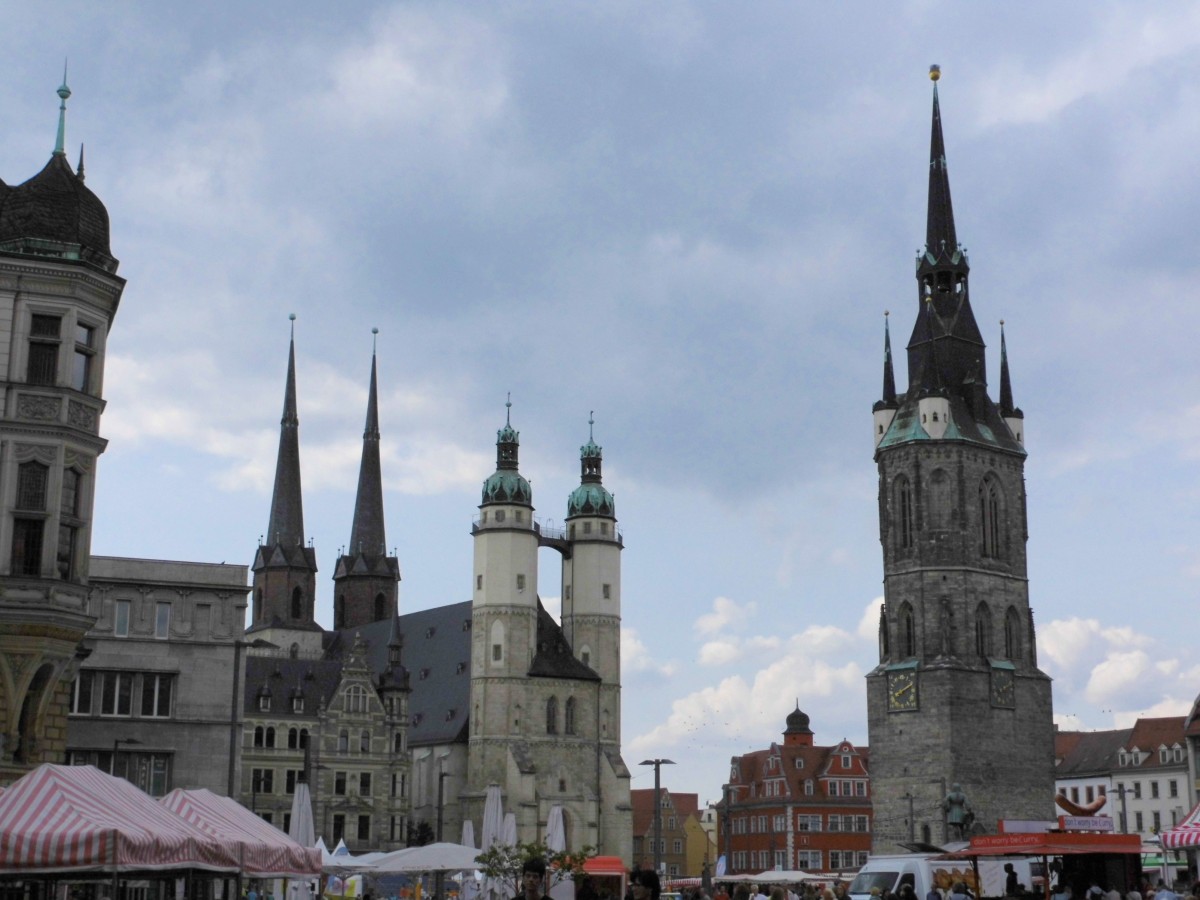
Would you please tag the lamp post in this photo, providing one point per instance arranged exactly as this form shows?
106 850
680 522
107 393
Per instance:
235 705
439 877
658 764
129 742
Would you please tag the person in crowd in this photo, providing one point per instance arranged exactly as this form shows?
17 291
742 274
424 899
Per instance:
644 884
906 892
934 893
960 891
1163 892
533 878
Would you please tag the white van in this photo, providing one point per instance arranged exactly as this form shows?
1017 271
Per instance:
924 871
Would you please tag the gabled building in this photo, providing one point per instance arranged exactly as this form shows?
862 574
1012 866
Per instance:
676 811
796 805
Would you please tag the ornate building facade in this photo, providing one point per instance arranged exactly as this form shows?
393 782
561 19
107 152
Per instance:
957 697
59 292
795 805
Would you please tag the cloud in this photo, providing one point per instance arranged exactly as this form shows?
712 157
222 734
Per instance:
637 657
725 614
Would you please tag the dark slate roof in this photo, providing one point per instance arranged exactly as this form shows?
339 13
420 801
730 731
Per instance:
974 419
1083 753
283 677
286 525
437 655
554 657
55 205
367 532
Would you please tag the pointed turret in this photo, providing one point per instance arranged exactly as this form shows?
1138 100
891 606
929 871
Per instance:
1013 417
940 237
365 576
885 408
284 568
506 484
64 92
591 498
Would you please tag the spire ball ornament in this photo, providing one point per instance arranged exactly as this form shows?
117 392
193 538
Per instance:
935 72
291 317
374 331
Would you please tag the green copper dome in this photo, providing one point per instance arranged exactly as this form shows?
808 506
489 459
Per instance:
506 484
591 498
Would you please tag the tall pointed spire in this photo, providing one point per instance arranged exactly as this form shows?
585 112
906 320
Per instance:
63 93
1006 398
940 237
367 533
287 507
889 378
79 170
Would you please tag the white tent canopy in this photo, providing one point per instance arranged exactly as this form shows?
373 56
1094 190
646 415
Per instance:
440 857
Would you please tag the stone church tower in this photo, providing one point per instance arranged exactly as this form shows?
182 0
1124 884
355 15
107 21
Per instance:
957 697
545 700
58 295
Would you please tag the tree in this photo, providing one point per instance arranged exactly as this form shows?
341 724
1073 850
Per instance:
504 863
420 834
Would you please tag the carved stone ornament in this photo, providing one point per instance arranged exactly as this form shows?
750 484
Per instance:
42 453
81 416
41 409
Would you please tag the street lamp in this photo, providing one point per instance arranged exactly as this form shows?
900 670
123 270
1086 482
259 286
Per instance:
658 764
439 878
258 643
129 742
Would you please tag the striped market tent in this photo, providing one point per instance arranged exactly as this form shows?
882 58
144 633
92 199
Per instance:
263 850
79 819
1184 835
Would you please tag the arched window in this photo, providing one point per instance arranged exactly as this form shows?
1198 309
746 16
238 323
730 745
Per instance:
303 738
364 742
259 734
270 737
297 603
258 604
339 611
908 631
989 518
343 741
940 503
294 651
293 739
904 513
883 633
1012 634
380 607
983 630
569 716
552 716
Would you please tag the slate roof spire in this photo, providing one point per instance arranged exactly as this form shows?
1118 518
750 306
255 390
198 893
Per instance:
940 236
889 377
286 526
63 93
1006 398
367 533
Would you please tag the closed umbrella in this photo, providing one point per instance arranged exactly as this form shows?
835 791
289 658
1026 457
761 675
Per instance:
508 834
468 833
556 832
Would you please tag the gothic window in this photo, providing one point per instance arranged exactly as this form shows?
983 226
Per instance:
552 716
989 518
339 611
1012 634
883 635
904 513
983 630
569 716
297 603
908 632
32 483
257 604
380 607
44 337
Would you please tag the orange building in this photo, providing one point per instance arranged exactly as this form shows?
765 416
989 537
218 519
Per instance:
684 843
797 806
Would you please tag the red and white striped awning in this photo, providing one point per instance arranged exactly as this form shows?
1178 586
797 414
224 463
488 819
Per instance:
77 818
263 850
1185 834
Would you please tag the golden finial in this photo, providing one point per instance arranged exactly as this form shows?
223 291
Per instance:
935 72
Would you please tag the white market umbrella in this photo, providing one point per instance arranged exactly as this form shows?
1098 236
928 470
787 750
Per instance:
301 828
556 831
468 833
493 817
508 834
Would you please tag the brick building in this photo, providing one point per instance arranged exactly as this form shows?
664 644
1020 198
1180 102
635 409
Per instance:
795 805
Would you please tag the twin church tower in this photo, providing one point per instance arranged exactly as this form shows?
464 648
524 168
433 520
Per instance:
957 697
543 711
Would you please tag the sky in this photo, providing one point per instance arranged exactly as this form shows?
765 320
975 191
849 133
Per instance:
690 219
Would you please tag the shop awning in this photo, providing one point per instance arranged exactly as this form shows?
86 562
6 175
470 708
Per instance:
1050 843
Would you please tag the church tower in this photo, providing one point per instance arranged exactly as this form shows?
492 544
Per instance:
365 577
957 697
59 292
591 584
285 570
504 615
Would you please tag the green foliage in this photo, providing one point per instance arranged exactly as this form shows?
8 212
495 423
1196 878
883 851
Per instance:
504 863
419 834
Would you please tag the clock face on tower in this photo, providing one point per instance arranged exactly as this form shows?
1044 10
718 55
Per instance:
902 690
1004 691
